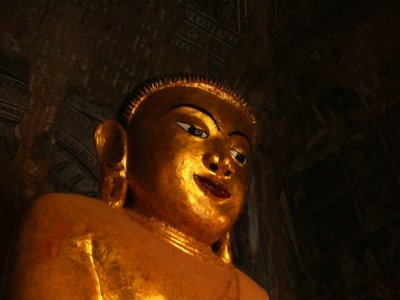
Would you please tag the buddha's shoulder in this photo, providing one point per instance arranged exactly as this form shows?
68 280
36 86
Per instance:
249 289
71 211
66 202
62 205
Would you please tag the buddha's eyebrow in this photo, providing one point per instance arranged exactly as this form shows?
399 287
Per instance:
241 134
207 113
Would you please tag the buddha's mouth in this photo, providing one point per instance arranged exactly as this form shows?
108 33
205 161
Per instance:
215 188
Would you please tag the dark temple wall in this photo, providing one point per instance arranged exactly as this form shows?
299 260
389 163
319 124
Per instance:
337 67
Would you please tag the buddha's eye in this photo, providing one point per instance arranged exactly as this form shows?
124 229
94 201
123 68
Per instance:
192 130
239 157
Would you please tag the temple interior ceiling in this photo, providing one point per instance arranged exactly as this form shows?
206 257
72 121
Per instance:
322 77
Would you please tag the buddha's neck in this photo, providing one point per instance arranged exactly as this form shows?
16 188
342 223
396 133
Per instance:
174 237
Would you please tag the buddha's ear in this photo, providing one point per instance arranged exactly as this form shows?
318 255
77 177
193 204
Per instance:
222 248
112 149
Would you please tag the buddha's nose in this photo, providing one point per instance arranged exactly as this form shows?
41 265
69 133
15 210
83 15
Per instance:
218 164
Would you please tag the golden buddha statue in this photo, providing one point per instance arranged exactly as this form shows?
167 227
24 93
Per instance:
183 152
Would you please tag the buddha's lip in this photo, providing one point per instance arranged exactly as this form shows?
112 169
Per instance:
215 188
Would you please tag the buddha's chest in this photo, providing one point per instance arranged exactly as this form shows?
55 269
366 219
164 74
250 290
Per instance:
141 269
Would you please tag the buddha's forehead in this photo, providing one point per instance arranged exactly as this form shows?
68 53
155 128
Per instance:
160 102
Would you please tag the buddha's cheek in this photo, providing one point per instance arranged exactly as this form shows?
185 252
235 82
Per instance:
175 183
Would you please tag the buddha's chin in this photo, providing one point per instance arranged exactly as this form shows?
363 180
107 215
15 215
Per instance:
220 226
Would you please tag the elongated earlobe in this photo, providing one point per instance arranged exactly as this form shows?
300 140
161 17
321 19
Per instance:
111 146
223 248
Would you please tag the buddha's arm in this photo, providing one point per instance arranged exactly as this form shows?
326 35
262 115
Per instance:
50 263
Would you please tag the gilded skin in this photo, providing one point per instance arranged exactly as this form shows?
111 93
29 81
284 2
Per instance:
180 157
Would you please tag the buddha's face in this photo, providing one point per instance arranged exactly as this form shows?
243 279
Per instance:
188 161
